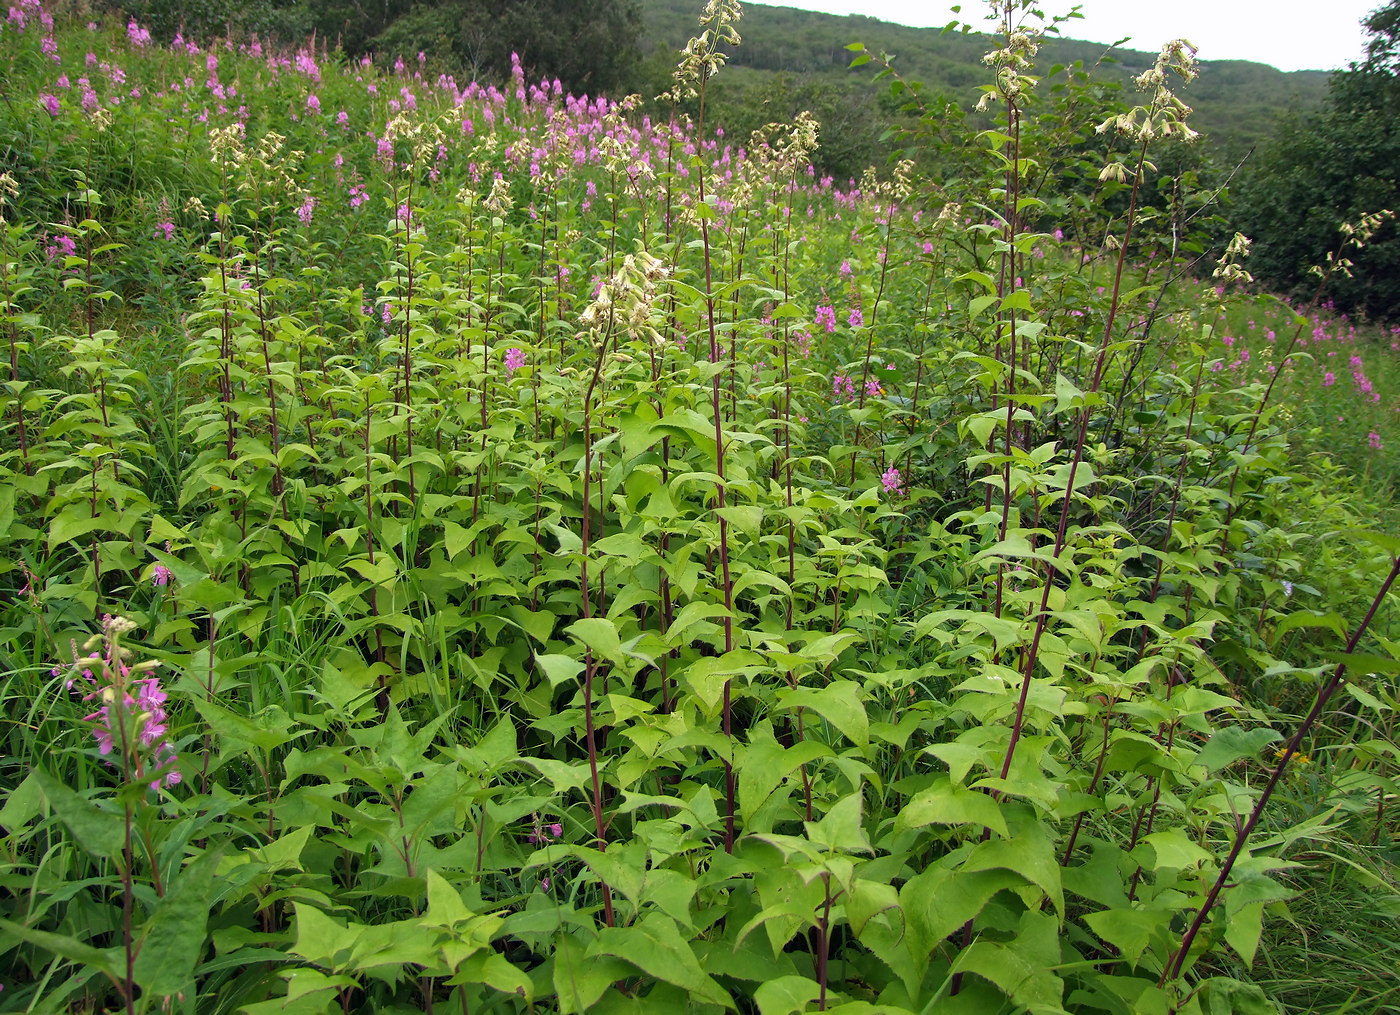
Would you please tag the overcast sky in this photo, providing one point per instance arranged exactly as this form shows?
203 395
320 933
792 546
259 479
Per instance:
1288 34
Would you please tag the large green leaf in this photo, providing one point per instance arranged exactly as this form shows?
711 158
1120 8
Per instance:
174 938
99 832
655 946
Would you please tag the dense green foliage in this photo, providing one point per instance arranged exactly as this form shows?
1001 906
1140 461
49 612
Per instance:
1328 167
481 549
589 45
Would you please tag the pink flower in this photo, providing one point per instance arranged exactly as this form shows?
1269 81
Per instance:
131 719
62 246
843 387
313 104
856 318
165 230
160 576
826 316
515 359
50 103
1329 379
1375 440
892 481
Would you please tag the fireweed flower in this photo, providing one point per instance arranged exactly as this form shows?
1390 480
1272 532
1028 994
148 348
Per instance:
826 317
843 387
543 834
130 723
515 359
160 576
892 481
62 246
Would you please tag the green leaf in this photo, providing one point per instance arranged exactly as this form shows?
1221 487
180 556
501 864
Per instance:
765 763
1363 662
309 992
267 731
1028 851
1243 926
173 939
946 803
1232 743
1067 395
840 831
559 669
786 995
839 703
321 940
284 852
600 635
580 979
1174 850
495 971
939 900
108 961
23 804
1131 931
99 832
655 946
1387 542
455 538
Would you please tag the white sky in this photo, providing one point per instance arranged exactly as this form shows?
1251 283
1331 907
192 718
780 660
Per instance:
1287 34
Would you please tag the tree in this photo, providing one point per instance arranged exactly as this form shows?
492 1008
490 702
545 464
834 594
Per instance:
589 45
1328 168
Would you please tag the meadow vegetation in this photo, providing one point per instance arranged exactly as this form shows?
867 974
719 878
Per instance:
482 548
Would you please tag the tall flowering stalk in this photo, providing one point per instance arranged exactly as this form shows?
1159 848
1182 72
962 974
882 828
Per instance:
624 303
132 734
9 188
701 60
129 722
1163 116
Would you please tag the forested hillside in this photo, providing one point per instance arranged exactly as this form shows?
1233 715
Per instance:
1236 102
